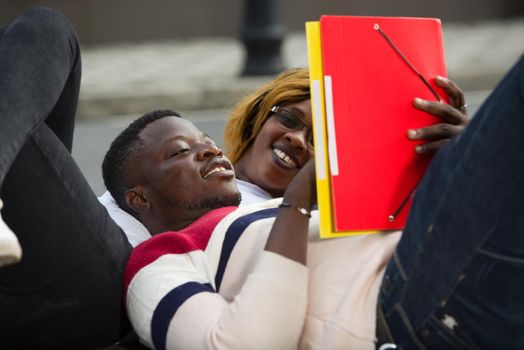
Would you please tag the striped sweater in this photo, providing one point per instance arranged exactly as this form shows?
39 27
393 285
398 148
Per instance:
213 286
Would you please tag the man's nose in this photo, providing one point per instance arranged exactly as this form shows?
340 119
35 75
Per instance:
209 150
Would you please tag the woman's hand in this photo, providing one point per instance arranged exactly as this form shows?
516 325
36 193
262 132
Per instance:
288 236
302 189
454 118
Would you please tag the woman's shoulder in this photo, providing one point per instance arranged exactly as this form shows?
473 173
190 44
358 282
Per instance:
251 193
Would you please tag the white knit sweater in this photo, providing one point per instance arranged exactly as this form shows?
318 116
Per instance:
212 286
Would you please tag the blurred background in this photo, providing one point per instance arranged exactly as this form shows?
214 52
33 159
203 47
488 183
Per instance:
106 21
200 57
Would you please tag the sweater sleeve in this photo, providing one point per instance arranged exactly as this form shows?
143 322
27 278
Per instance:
172 304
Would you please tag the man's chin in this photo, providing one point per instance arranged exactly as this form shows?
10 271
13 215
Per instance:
220 202
208 203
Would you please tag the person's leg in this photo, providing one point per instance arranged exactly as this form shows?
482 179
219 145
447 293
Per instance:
66 291
39 79
457 277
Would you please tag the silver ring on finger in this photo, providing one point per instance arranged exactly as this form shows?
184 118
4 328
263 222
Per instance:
463 107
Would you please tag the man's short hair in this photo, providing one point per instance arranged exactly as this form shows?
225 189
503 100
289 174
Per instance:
118 168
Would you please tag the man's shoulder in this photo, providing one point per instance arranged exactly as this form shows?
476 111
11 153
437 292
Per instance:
193 237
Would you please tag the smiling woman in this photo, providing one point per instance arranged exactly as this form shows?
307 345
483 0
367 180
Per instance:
268 136
281 148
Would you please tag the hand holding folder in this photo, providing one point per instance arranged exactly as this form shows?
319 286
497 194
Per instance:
365 72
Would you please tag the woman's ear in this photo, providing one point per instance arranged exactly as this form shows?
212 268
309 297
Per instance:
136 200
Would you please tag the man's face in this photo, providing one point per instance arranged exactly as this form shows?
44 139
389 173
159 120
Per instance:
183 169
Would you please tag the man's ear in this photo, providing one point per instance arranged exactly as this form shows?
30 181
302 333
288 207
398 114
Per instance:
136 199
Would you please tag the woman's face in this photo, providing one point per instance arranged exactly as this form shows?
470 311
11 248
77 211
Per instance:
283 146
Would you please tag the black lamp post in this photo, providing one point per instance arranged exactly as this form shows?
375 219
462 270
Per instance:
262 37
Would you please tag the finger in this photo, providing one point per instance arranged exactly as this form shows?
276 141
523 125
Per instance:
455 93
435 132
430 147
446 112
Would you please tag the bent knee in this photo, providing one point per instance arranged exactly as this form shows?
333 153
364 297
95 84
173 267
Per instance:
47 22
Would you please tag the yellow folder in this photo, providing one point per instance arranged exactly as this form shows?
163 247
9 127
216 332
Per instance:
320 132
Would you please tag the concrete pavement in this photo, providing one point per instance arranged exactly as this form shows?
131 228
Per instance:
131 78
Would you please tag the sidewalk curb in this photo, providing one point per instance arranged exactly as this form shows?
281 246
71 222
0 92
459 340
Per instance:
214 96
211 95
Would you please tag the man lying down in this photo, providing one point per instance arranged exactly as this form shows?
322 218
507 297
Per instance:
214 275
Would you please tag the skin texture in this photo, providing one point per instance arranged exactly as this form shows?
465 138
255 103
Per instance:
261 166
453 120
176 186
301 192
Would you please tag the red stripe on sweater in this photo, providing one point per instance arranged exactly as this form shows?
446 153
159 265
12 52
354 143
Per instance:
193 237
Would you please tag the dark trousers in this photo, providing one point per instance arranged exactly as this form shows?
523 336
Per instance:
456 280
67 290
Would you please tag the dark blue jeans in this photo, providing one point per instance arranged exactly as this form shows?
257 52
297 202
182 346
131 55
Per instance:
67 290
456 280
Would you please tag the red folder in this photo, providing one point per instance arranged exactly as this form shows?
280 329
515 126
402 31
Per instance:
369 92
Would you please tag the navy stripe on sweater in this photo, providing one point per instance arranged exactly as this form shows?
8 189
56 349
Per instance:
168 306
233 234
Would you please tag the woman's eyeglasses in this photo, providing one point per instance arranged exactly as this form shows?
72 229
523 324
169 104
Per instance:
293 122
